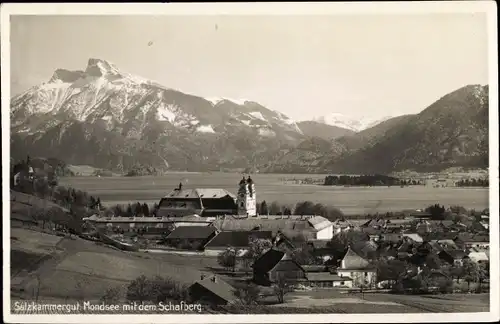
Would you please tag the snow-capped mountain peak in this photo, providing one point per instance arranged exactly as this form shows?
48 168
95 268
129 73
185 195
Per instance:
105 94
356 124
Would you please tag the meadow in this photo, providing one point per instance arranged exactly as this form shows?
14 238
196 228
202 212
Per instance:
272 187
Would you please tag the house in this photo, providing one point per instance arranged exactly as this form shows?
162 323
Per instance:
307 227
235 239
273 265
377 223
452 257
211 290
206 202
328 280
322 249
414 237
479 256
392 237
359 269
147 224
468 240
342 226
190 237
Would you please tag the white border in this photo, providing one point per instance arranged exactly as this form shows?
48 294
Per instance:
312 8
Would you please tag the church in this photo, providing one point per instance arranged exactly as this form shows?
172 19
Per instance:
210 202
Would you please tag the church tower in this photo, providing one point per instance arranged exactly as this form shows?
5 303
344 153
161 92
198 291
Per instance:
246 200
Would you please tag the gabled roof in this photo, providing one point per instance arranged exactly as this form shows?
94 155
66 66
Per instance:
352 260
289 226
238 239
414 237
219 287
203 193
192 232
274 259
319 222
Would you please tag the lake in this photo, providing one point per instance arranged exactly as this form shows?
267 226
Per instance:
271 187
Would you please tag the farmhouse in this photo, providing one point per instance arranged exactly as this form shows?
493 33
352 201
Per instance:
414 237
452 257
328 280
358 269
202 201
234 239
148 224
273 265
211 291
479 255
190 237
308 227
473 241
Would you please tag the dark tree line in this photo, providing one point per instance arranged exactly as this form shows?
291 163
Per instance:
134 210
301 208
367 180
473 183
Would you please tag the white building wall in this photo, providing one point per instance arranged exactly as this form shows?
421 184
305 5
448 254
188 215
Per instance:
325 234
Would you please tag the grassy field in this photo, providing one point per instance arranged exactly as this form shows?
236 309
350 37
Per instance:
72 269
270 187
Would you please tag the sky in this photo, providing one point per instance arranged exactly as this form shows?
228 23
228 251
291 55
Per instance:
302 66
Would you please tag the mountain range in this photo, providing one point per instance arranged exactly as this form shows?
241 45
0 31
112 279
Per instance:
104 117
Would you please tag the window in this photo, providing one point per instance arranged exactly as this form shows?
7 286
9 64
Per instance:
366 274
242 205
342 283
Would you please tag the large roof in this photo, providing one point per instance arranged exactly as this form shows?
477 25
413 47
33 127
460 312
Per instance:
219 287
238 239
352 260
288 225
192 232
200 193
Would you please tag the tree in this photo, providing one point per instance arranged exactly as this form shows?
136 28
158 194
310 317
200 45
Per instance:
304 255
111 295
138 209
432 261
145 210
247 293
281 287
263 208
436 211
227 259
129 212
287 211
275 208
162 289
139 289
471 272
304 208
257 247
392 271
456 271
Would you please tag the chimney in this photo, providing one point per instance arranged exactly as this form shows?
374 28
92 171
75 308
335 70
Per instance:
202 276
214 279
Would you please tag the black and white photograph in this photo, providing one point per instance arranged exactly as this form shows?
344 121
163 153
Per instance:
250 162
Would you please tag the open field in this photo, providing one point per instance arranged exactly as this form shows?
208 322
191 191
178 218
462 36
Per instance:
73 269
351 200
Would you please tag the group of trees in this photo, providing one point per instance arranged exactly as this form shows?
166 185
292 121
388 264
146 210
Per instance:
367 180
300 208
473 183
156 289
403 276
132 210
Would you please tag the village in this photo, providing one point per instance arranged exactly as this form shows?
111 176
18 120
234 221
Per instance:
308 252
263 257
